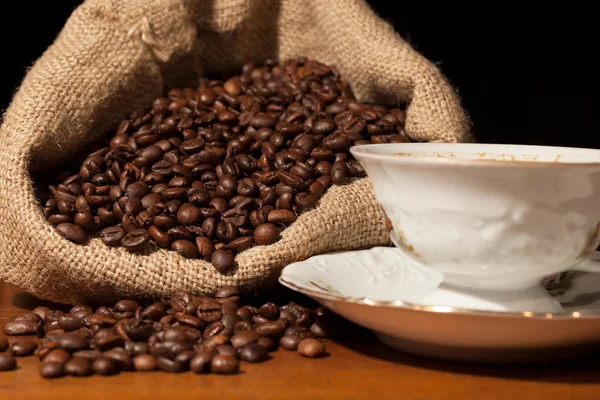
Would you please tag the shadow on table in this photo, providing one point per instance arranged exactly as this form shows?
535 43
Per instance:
577 370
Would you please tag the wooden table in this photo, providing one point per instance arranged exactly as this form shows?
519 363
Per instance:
358 367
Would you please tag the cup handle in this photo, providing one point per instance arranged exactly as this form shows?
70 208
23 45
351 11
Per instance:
590 264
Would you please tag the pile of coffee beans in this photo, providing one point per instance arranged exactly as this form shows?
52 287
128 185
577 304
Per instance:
211 171
182 333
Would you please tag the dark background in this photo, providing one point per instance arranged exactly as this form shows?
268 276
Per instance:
525 74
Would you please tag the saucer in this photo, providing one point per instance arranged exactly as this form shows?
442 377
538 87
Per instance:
409 309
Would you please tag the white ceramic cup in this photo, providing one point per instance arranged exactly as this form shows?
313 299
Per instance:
492 217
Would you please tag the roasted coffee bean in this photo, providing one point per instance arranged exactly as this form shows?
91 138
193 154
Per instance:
311 348
200 363
209 310
121 356
145 363
89 354
72 232
265 234
339 172
226 350
105 366
78 366
57 356
229 320
272 330
267 343
160 238
223 260
154 311
242 338
185 248
52 370
246 312
3 344
253 353
229 293
289 342
72 341
68 323
269 311
13 328
126 305
183 359
80 311
225 365
30 316
282 217
41 311
242 243
212 342
7 362
136 240
23 347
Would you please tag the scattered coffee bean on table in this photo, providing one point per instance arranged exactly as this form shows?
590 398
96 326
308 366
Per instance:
209 172
3 344
7 362
174 335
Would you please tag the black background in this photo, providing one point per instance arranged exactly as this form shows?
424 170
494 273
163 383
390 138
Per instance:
525 74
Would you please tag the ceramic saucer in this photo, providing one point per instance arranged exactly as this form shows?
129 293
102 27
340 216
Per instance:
410 309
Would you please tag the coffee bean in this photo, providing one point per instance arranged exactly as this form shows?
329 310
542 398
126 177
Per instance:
186 248
267 343
212 342
112 235
282 217
68 323
71 232
52 370
225 365
223 260
71 341
105 366
57 356
30 316
78 366
226 350
154 311
338 172
253 353
13 328
269 311
201 362
311 348
41 311
23 347
136 240
121 356
80 311
289 342
265 234
273 330
7 362
145 363
209 310
3 344
242 338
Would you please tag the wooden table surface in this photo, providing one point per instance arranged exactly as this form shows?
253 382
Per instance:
358 367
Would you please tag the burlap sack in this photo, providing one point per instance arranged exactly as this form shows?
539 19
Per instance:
115 55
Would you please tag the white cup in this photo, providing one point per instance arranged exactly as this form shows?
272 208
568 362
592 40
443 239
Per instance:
491 217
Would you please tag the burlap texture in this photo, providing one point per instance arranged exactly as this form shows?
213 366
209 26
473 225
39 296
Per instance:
116 55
